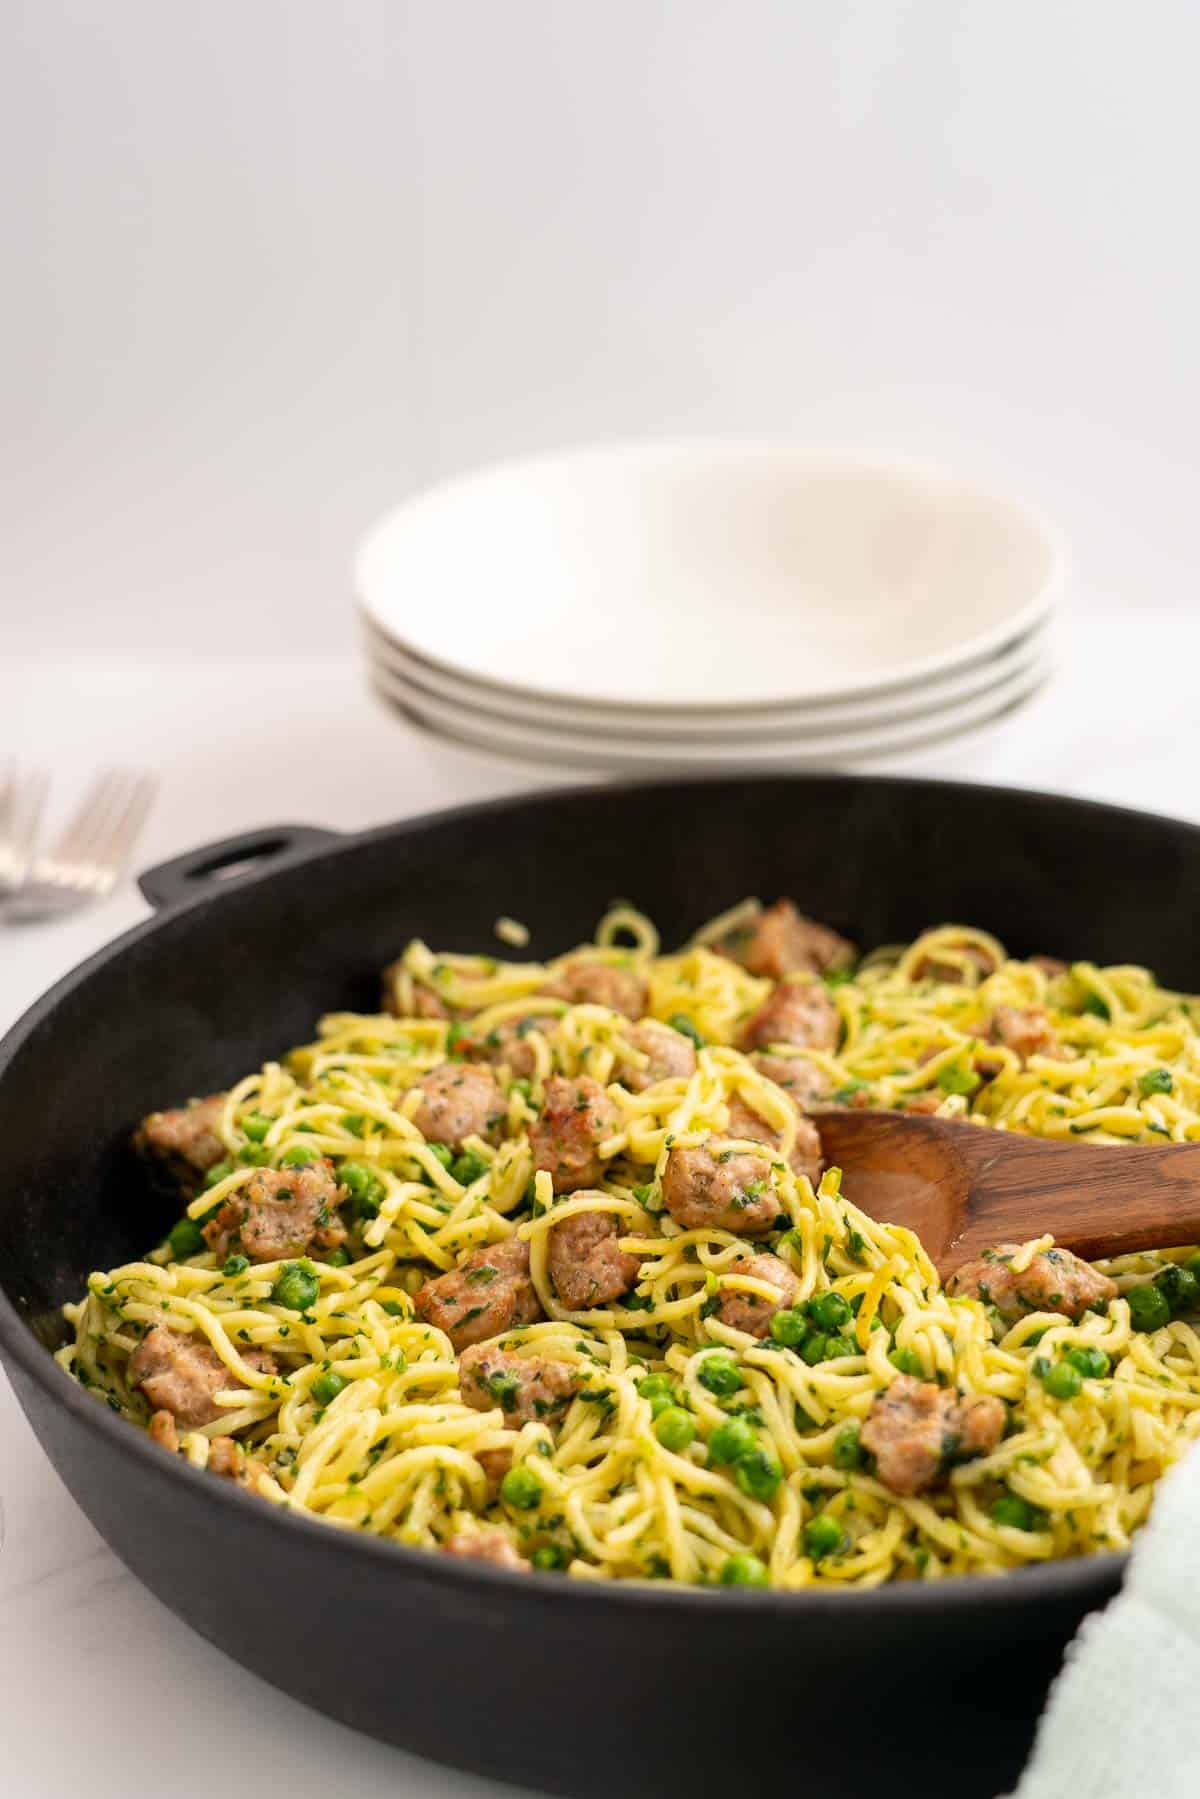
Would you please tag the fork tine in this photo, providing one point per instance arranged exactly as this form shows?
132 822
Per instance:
88 823
126 827
90 854
31 801
21 803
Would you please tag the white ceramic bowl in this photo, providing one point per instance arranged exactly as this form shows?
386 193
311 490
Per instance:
727 725
706 575
629 754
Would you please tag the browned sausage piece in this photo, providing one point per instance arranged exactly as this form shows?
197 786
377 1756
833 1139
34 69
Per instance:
917 1431
425 1002
185 1141
800 1079
805 1158
726 1190
671 1056
279 1212
749 1312
1050 966
487 1545
228 1459
495 1464
784 942
162 1430
1026 1030
508 1044
524 1387
576 1116
179 1373
489 1292
1055 1281
458 1101
225 1456
980 962
799 1012
586 1266
585 983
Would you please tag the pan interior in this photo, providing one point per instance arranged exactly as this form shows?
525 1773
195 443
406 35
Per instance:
206 993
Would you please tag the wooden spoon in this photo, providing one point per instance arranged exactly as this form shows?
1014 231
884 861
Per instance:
964 1188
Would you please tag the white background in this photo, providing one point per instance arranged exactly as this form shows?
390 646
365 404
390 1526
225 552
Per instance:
271 263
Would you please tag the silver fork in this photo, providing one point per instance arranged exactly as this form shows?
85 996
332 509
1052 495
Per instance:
91 854
22 797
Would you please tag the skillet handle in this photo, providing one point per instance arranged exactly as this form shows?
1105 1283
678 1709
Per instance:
202 870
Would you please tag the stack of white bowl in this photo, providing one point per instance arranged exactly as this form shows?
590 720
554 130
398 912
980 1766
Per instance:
689 606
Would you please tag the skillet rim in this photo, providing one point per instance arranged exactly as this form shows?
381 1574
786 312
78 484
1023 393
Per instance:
1056 1579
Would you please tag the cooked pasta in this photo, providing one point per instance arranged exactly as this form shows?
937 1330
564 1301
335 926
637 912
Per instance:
508 1270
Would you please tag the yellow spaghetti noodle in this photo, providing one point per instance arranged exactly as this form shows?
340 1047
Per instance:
388 1444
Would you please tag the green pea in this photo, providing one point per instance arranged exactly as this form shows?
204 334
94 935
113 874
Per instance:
218 1171
364 1187
744 1571
840 1346
720 1374
679 1021
812 1350
956 1079
1149 1308
788 1327
296 1288
1017 1513
1062 1381
654 1384
338 1258
549 1557
356 1177
1092 1363
675 1428
848 1451
521 1489
255 1126
1155 1080
829 1311
1193 1267
731 1440
822 1536
326 1387
297 1156
758 1473
1178 1287
468 1167
907 1361
660 1403
443 1152
254 1155
235 1265
185 1239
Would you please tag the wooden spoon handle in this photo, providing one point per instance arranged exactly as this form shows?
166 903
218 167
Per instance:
1097 1199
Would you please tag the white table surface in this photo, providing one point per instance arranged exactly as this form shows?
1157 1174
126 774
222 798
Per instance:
106 1692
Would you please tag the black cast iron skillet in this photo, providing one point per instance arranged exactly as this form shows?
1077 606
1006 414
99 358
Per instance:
565 1685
